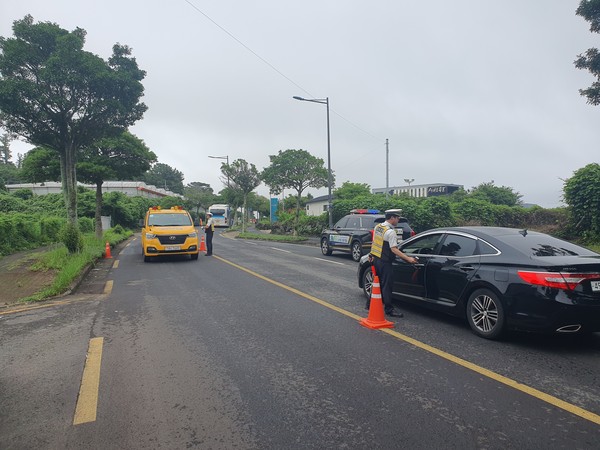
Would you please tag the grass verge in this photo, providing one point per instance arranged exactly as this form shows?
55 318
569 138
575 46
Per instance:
271 237
69 266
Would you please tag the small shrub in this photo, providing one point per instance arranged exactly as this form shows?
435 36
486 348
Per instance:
86 224
72 238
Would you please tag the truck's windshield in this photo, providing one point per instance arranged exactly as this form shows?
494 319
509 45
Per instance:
169 220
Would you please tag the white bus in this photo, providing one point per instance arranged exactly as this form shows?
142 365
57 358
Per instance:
221 215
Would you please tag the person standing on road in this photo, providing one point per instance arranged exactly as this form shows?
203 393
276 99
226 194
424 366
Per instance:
209 230
383 252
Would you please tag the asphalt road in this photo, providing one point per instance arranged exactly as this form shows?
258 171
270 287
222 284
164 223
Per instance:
259 347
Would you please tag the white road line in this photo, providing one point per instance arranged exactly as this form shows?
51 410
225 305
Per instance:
331 262
280 249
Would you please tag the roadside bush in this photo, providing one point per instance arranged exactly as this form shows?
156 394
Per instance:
24 194
263 224
551 221
284 224
430 213
50 228
509 216
86 224
473 211
312 225
72 238
10 203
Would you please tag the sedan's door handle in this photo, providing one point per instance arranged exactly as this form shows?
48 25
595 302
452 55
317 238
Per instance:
467 268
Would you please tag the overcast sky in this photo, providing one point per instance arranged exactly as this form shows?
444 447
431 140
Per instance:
466 91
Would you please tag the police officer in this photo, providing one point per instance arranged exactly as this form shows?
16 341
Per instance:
209 229
384 249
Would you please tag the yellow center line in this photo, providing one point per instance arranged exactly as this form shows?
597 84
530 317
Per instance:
87 402
554 401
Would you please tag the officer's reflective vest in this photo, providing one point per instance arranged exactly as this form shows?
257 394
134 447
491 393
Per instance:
379 247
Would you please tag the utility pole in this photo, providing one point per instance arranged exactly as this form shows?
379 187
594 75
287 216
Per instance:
387 168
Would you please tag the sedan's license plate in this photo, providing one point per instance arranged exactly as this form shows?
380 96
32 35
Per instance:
595 286
172 248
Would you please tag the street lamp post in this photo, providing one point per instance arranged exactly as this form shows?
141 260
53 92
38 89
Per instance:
324 101
223 157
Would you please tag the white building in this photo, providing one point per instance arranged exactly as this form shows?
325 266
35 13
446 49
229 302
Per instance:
317 206
129 188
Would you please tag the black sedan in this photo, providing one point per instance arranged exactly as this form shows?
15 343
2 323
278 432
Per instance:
499 279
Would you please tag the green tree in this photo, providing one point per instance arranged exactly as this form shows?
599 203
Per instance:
166 177
199 196
496 195
56 95
123 157
350 190
9 174
41 164
260 204
582 195
590 60
244 178
296 170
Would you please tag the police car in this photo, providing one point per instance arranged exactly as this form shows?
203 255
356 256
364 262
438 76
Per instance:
353 233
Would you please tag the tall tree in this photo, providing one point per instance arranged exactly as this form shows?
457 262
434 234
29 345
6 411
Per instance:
582 194
297 170
9 174
498 195
350 190
590 60
116 158
41 164
199 195
56 95
244 178
166 177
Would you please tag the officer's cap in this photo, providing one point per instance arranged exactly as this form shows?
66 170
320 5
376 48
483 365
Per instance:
389 213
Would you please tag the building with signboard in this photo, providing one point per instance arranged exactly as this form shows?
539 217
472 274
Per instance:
421 190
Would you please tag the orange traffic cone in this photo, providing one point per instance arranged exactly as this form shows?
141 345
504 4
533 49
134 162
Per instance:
376 317
202 245
107 251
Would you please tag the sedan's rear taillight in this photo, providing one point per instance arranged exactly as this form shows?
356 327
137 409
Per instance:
412 232
559 280
372 233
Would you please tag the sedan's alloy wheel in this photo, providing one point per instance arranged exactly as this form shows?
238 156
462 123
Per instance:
485 314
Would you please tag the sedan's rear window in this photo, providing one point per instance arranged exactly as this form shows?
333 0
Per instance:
539 245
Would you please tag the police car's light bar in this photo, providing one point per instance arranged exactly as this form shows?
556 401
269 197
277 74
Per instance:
365 211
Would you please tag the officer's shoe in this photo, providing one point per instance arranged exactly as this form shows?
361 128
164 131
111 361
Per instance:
394 313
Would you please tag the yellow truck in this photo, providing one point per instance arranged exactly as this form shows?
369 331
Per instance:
169 232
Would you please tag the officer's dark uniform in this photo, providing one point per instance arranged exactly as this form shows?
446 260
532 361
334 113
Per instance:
382 260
